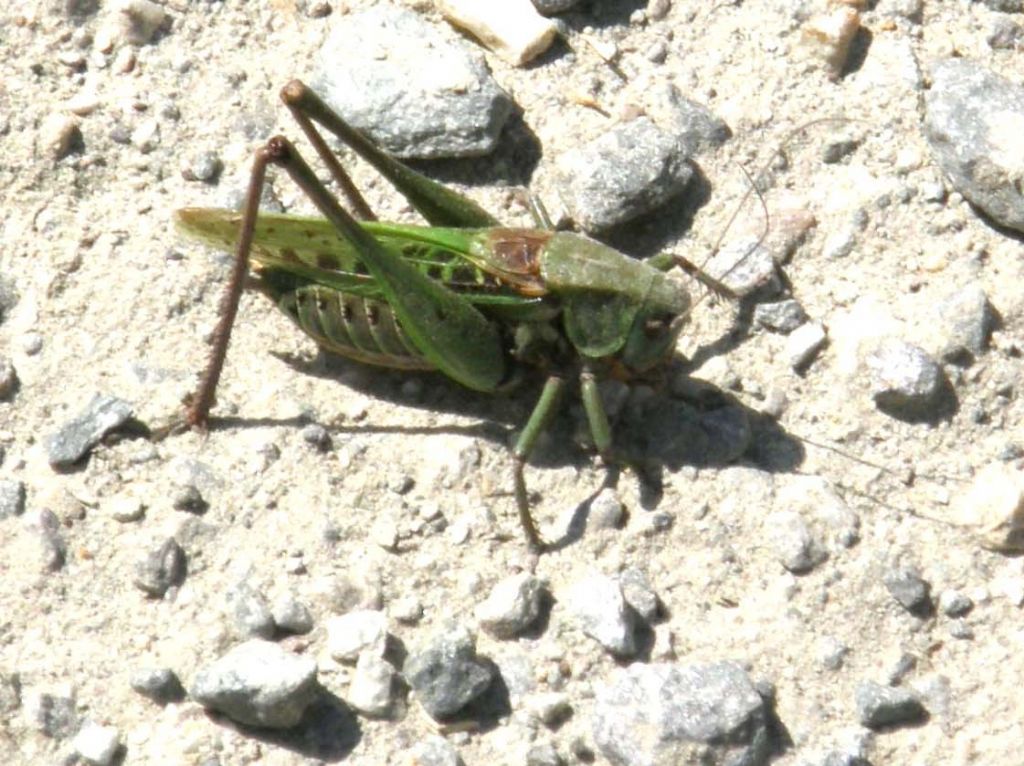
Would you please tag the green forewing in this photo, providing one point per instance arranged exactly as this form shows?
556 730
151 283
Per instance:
369 261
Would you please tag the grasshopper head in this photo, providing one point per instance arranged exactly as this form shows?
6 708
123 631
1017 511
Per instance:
652 338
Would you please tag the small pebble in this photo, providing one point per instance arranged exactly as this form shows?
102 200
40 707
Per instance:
543 754
59 135
803 345
250 612
883 706
434 750
291 615
550 708
840 244
962 630
639 594
52 715
372 683
606 511
832 653
827 38
97 744
160 567
953 603
188 498
51 548
31 343
161 685
795 545
316 436
512 28
782 316
658 9
355 633
125 508
906 585
905 379
12 498
600 610
512 606
204 166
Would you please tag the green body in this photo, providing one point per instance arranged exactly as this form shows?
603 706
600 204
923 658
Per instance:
575 296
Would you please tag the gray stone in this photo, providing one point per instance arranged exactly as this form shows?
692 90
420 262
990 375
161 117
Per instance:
316 436
363 630
53 715
796 547
435 751
662 715
160 567
600 610
291 615
543 754
639 594
446 674
96 744
512 606
250 612
906 585
12 498
605 510
968 113
804 343
1004 34
188 498
258 684
372 683
953 603
52 549
627 171
962 323
696 126
158 684
906 381
781 316
204 166
77 437
414 91
882 706
746 267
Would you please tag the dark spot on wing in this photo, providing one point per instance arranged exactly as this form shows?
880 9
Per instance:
325 261
372 314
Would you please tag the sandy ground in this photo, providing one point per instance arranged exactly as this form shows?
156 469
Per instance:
111 301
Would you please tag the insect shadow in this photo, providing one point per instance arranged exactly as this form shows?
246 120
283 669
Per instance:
697 425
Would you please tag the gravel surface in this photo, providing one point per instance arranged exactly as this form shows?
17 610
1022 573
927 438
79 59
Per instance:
794 557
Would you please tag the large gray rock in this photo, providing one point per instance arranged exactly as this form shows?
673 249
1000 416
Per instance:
446 674
258 684
973 121
662 715
413 90
622 174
